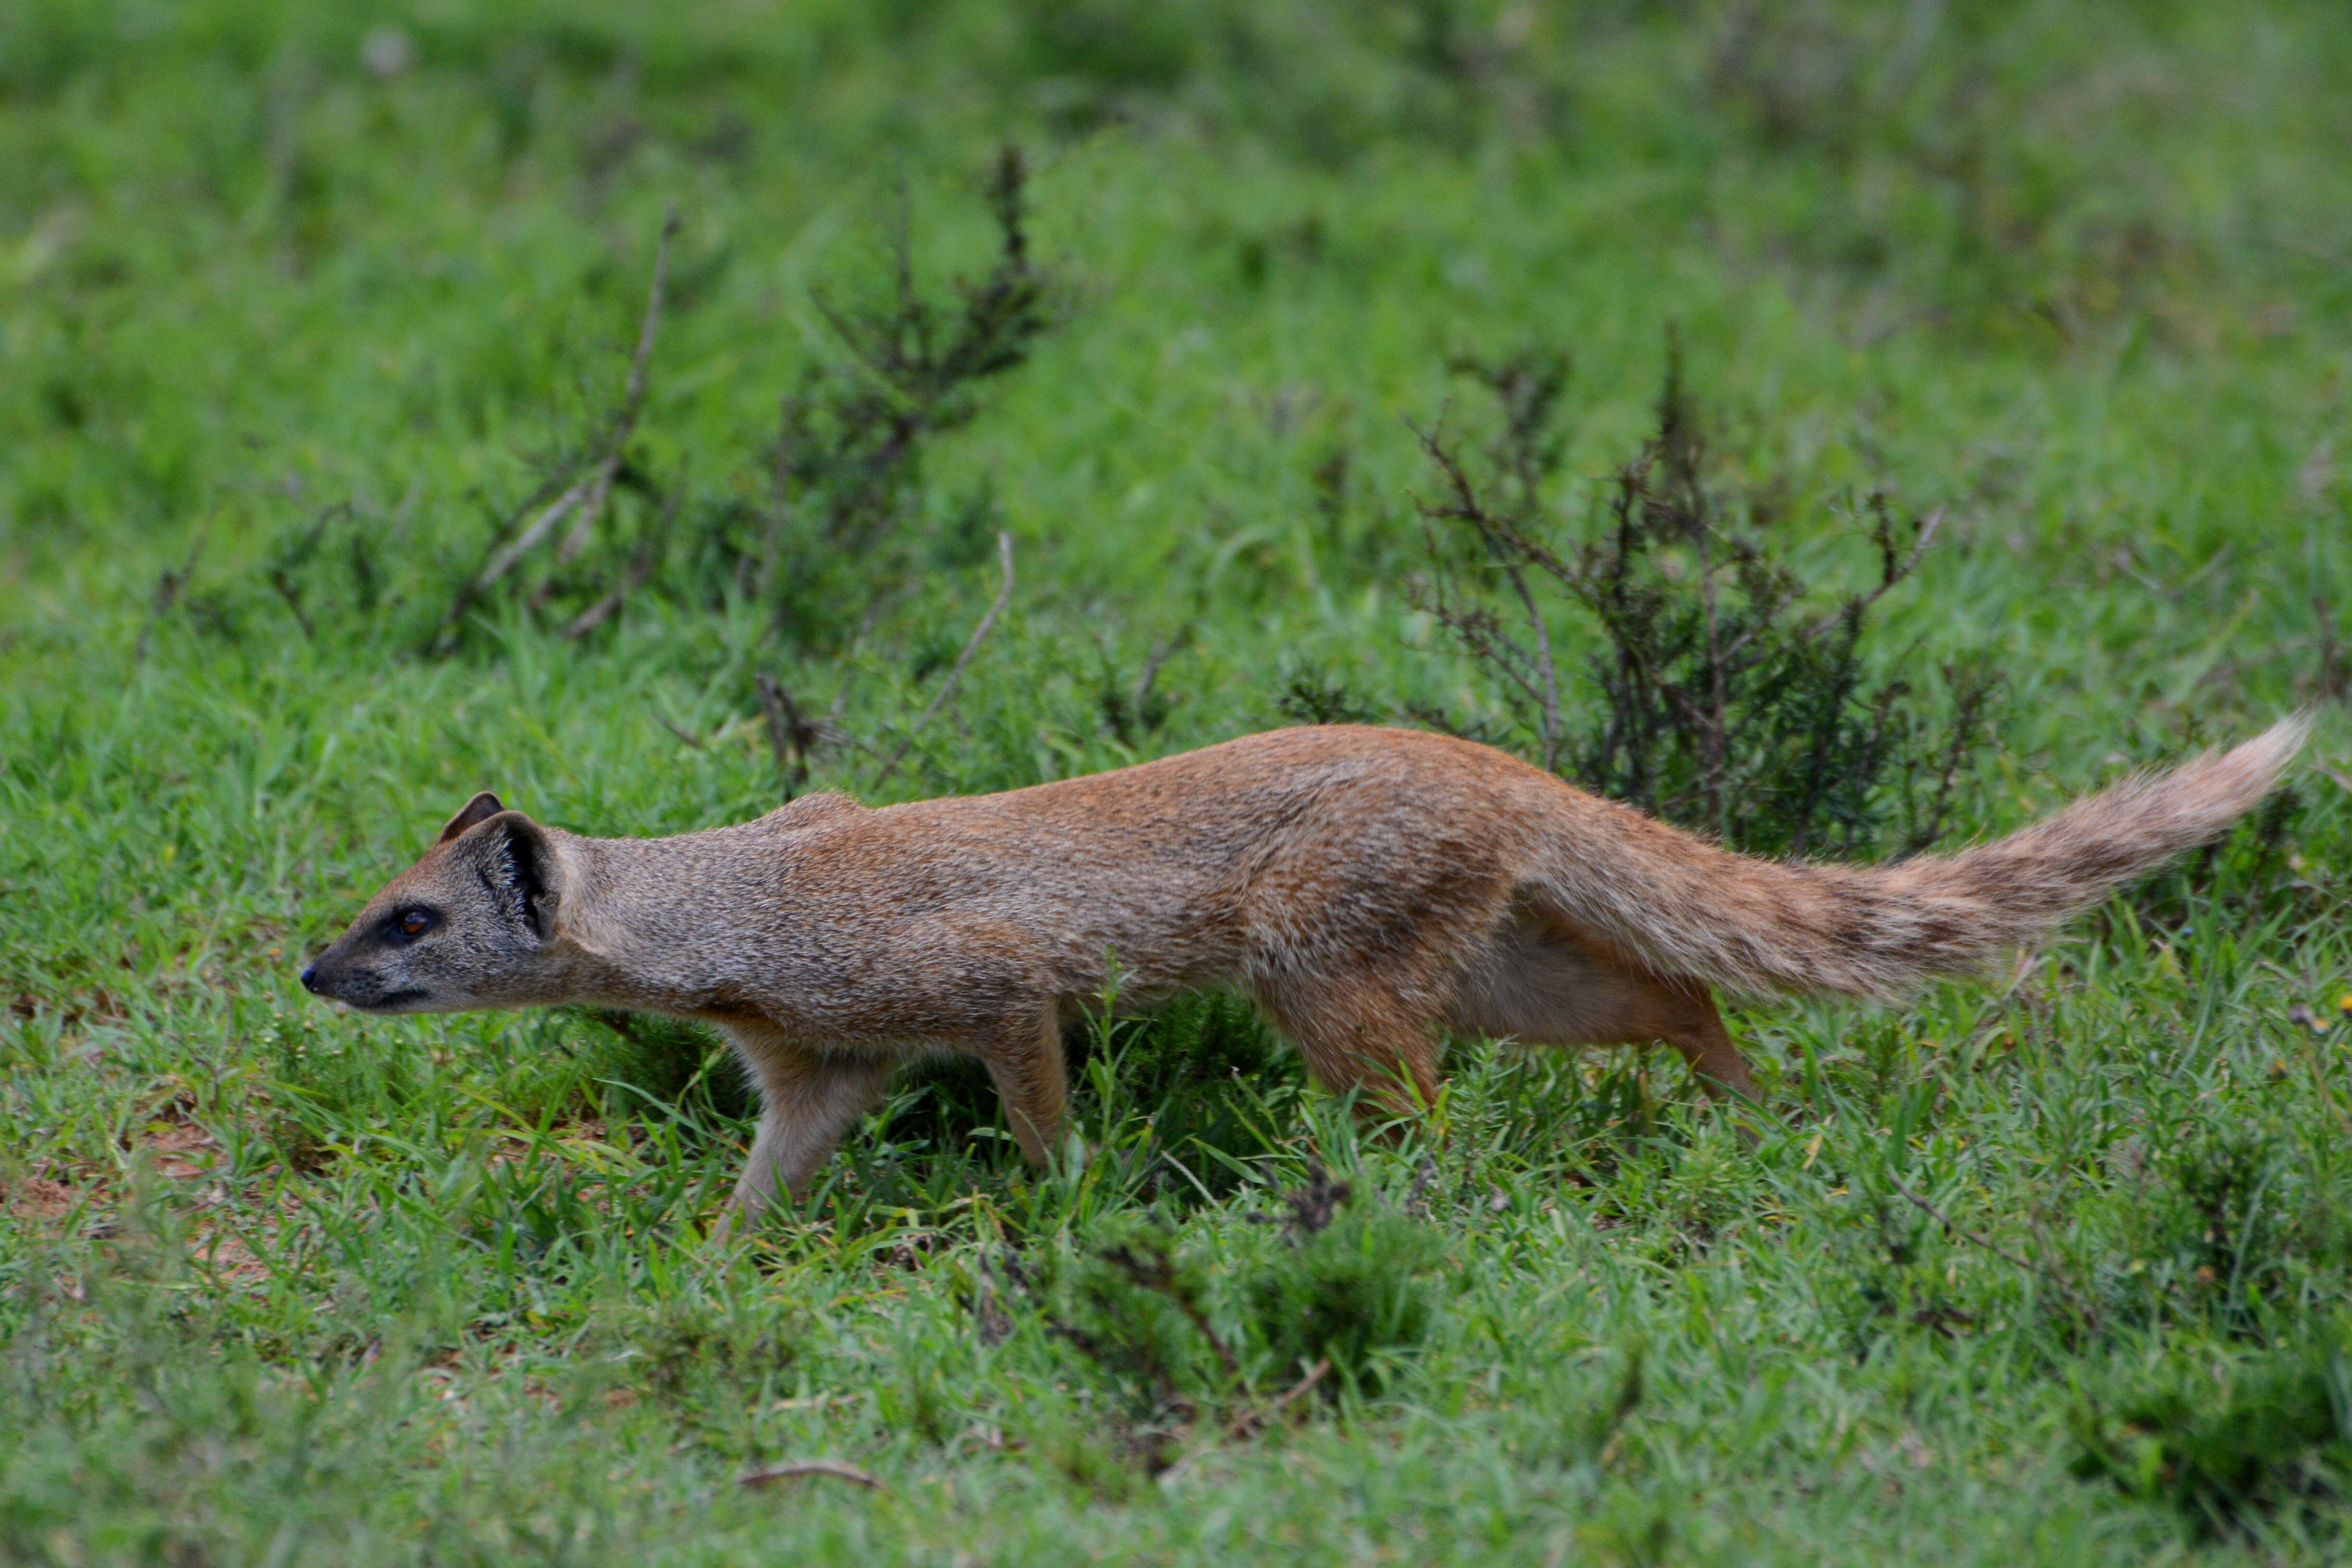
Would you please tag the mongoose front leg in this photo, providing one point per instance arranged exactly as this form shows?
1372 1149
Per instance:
807 1100
1025 1065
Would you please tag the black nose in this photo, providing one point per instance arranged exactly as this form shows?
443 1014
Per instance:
311 979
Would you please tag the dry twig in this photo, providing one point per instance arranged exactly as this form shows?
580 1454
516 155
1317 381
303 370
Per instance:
796 1468
281 575
2335 677
1534 671
1250 1423
792 735
633 576
2047 1269
1891 571
1160 655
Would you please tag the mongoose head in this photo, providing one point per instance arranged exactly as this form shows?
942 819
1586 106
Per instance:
469 925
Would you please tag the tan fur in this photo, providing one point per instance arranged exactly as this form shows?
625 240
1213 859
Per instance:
1368 887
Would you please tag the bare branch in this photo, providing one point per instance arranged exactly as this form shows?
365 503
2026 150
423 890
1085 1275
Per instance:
280 581
552 486
1250 1423
281 576
634 395
633 576
539 528
1957 1229
1160 655
1534 671
1004 596
792 735
586 493
1544 666
2334 678
599 489
1724 704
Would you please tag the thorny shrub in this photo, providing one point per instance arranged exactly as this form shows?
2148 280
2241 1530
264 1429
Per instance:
1730 695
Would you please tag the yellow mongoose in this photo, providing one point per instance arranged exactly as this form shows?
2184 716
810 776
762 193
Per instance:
1368 887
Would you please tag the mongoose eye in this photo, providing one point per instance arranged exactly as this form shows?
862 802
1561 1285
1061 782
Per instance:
413 922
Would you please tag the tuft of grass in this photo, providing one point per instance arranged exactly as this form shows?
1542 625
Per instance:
2230 1446
1347 1291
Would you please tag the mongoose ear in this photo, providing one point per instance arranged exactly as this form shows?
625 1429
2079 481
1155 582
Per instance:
473 813
524 870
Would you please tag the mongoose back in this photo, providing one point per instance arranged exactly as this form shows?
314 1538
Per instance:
1368 887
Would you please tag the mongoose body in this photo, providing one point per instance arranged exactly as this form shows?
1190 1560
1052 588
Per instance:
1368 887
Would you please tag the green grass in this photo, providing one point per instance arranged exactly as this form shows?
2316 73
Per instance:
2052 1270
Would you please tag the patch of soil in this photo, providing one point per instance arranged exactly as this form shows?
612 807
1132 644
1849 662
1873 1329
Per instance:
36 1198
175 1146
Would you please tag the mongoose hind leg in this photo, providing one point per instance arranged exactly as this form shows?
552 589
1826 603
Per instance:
1359 1034
1690 1023
1024 1062
1686 1017
808 1099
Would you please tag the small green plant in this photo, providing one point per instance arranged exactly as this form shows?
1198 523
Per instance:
603 524
321 1084
1206 1072
362 1296
1579 1428
2256 871
1142 1316
1177 1340
1347 1292
666 1060
1313 695
707 1358
2230 1228
1201 1071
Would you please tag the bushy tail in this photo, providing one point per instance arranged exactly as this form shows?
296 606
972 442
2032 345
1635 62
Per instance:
1763 927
